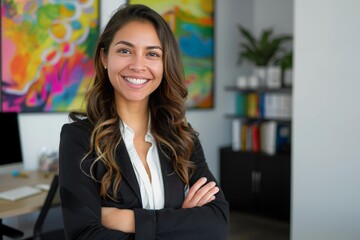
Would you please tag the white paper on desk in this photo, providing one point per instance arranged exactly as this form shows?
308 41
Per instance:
19 193
43 186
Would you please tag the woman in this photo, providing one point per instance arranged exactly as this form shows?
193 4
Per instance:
131 167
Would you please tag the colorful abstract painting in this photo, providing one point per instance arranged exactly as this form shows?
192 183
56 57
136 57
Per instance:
47 49
192 22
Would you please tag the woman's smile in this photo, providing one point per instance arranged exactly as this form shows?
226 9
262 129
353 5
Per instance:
136 82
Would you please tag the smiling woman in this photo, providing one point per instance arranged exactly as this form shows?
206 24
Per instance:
131 166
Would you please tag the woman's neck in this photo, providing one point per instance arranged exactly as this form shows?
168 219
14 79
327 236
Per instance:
135 116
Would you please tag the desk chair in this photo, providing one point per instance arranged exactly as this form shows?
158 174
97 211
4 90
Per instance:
52 200
9 232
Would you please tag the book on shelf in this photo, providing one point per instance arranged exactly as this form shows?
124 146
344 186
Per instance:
277 105
248 137
236 135
255 137
241 104
283 138
253 109
244 137
262 104
269 135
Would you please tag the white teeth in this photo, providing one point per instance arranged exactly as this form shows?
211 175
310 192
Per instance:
136 81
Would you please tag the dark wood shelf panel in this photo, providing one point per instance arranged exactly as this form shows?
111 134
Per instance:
258 90
228 149
234 116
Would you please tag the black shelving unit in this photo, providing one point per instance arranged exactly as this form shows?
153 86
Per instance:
256 182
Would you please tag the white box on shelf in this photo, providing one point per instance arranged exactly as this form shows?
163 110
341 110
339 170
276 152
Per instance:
273 77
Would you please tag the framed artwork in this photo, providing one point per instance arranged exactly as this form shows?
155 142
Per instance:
193 25
47 52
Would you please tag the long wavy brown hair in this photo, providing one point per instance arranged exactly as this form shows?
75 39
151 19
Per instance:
166 104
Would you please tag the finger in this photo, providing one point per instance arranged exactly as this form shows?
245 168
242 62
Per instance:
200 193
194 188
208 197
203 191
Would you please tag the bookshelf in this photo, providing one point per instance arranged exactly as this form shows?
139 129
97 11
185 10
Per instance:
255 169
261 120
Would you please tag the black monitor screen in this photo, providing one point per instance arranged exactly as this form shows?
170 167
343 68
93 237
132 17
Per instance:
10 148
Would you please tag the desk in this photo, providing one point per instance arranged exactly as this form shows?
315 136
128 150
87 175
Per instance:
25 205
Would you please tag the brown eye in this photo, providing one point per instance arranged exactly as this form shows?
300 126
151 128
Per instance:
153 54
123 51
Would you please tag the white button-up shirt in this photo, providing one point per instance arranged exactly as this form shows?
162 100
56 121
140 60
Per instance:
152 193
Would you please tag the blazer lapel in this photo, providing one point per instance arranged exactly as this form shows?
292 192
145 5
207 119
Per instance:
126 169
173 186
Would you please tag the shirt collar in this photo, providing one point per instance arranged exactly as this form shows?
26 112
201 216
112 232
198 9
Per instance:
127 131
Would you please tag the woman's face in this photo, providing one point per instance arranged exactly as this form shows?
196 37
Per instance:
134 62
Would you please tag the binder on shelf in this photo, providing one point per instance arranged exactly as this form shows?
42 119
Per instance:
270 105
262 104
248 138
255 137
244 137
236 135
277 105
269 137
241 104
283 137
253 105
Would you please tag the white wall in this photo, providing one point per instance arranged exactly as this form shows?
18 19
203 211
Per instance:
37 131
326 140
277 14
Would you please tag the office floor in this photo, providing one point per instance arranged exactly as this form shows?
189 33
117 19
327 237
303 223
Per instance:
249 227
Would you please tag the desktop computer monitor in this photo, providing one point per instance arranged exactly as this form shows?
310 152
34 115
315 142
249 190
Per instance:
11 157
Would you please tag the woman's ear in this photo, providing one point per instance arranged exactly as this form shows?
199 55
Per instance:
103 58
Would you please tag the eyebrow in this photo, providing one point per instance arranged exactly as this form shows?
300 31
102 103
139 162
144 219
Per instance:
132 45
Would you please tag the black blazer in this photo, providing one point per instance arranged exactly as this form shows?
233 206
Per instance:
81 202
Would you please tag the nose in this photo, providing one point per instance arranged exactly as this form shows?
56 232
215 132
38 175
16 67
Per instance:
137 63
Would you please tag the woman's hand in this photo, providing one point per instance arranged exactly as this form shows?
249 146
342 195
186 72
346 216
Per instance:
200 194
118 219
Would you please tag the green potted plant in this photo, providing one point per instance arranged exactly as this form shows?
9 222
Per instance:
262 51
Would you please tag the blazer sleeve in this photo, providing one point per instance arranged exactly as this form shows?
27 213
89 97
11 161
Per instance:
209 222
80 197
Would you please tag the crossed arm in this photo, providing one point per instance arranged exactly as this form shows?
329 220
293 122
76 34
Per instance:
123 220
